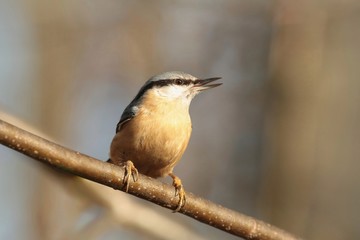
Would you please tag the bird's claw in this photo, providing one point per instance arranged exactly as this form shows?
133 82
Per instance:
130 171
179 191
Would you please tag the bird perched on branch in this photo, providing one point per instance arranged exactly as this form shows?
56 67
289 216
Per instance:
155 128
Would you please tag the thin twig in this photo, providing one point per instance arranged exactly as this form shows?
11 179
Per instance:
146 188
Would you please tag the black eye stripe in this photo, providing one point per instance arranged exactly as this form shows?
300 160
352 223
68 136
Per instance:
162 83
166 82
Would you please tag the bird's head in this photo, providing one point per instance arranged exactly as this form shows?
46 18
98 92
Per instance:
176 86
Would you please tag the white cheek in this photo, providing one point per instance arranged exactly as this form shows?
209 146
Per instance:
172 91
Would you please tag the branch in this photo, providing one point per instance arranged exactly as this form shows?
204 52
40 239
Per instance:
146 188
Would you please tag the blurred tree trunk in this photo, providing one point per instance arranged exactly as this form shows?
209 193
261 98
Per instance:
313 133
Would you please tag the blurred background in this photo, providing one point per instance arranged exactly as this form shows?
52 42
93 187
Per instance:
279 140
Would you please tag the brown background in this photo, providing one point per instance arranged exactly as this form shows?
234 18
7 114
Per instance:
280 140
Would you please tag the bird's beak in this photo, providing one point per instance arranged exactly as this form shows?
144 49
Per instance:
203 84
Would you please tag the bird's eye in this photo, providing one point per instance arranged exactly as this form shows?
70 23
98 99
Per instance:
179 82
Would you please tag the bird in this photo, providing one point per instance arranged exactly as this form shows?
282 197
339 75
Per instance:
155 128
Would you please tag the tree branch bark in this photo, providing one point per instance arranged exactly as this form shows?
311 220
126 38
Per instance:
146 188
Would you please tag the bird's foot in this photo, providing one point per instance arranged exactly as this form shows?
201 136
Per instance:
130 171
179 191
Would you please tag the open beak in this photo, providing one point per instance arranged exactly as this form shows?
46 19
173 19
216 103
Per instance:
204 84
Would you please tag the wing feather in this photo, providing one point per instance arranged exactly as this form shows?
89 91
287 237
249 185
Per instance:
128 114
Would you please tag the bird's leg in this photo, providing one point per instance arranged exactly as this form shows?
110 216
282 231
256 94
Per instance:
179 190
130 170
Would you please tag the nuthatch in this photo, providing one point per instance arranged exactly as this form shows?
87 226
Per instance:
155 128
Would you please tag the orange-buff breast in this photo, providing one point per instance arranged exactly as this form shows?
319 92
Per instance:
154 140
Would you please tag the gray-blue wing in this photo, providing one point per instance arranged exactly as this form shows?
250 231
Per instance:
128 114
